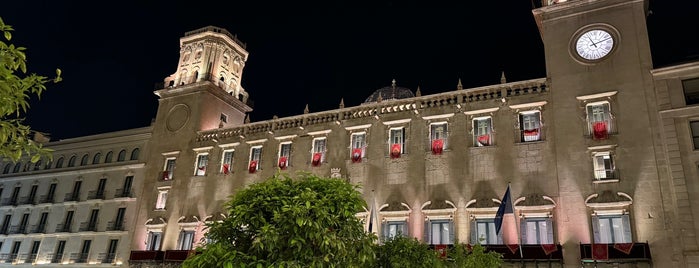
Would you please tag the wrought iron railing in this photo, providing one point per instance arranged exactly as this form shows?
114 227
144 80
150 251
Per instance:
116 226
74 196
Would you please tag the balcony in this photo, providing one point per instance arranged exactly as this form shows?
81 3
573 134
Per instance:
165 176
72 197
106 257
18 229
46 199
177 255
636 252
529 135
27 200
62 228
116 226
606 175
4 230
27 258
9 201
146 256
88 226
123 193
78 257
38 229
8 257
91 195
535 253
54 258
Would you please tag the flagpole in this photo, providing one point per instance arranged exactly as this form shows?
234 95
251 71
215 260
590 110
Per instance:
514 210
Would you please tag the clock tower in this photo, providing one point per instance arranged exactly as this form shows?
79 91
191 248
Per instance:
598 60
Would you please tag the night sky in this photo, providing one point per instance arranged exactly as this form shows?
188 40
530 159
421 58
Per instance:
112 54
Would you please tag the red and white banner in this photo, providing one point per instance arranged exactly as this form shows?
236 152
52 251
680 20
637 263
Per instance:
395 150
599 130
317 157
226 169
282 162
253 166
600 252
437 146
356 155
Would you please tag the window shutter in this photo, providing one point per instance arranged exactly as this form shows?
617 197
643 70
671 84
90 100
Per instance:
404 231
474 234
158 238
549 232
595 229
180 240
402 134
149 241
426 234
523 231
451 232
626 222
521 122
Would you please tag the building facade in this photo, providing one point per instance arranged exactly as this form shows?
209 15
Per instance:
600 156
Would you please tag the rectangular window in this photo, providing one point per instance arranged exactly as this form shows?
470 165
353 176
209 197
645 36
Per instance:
100 188
111 251
84 252
153 240
6 224
32 194
169 168
224 118
284 155
51 193
599 120
41 227
23 224
483 131
536 231
530 126
610 229
255 156
15 251
162 198
200 168
186 240
15 195
691 91
603 165
484 232
126 191
438 137
694 126
227 161
396 142
33 252
441 232
318 151
119 223
392 229
358 145
58 254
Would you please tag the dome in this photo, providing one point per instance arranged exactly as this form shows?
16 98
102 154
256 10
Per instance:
390 93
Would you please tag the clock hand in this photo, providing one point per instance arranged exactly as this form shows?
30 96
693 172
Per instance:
593 42
600 41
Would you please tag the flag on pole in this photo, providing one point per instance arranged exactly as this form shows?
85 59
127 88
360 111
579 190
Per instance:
505 221
373 216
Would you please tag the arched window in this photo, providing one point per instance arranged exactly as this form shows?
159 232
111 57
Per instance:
122 156
7 168
71 161
134 154
27 166
96 158
83 161
37 166
108 158
59 163
195 76
18 166
48 164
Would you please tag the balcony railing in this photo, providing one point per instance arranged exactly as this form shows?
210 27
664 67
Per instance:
637 252
46 199
61 228
27 200
165 176
78 257
87 226
8 257
54 258
123 193
177 255
28 258
72 197
600 130
606 174
530 252
146 256
18 229
116 226
9 201
531 135
38 228
106 257
5 230
95 195
483 140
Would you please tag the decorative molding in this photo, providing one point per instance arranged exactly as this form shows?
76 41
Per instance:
321 132
439 116
228 145
481 111
396 122
358 127
528 105
256 141
171 153
202 149
597 95
288 137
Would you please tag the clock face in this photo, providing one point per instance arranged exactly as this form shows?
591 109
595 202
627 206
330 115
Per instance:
594 44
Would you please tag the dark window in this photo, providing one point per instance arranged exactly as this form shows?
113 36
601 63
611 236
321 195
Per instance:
108 158
7 168
96 158
122 156
694 125
83 161
691 91
134 154
58 256
38 165
18 166
71 161
59 163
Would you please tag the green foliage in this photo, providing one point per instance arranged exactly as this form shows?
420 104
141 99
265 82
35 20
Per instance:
283 222
465 256
15 91
406 252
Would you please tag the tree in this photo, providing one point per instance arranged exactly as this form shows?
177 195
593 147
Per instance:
15 91
466 256
406 252
305 221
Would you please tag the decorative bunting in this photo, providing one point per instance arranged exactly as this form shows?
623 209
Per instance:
513 247
316 159
599 130
253 166
166 175
226 169
624 247
531 134
600 252
395 150
437 146
549 248
441 250
356 155
484 140
282 162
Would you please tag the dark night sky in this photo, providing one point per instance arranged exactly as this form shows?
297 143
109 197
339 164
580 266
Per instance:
112 54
